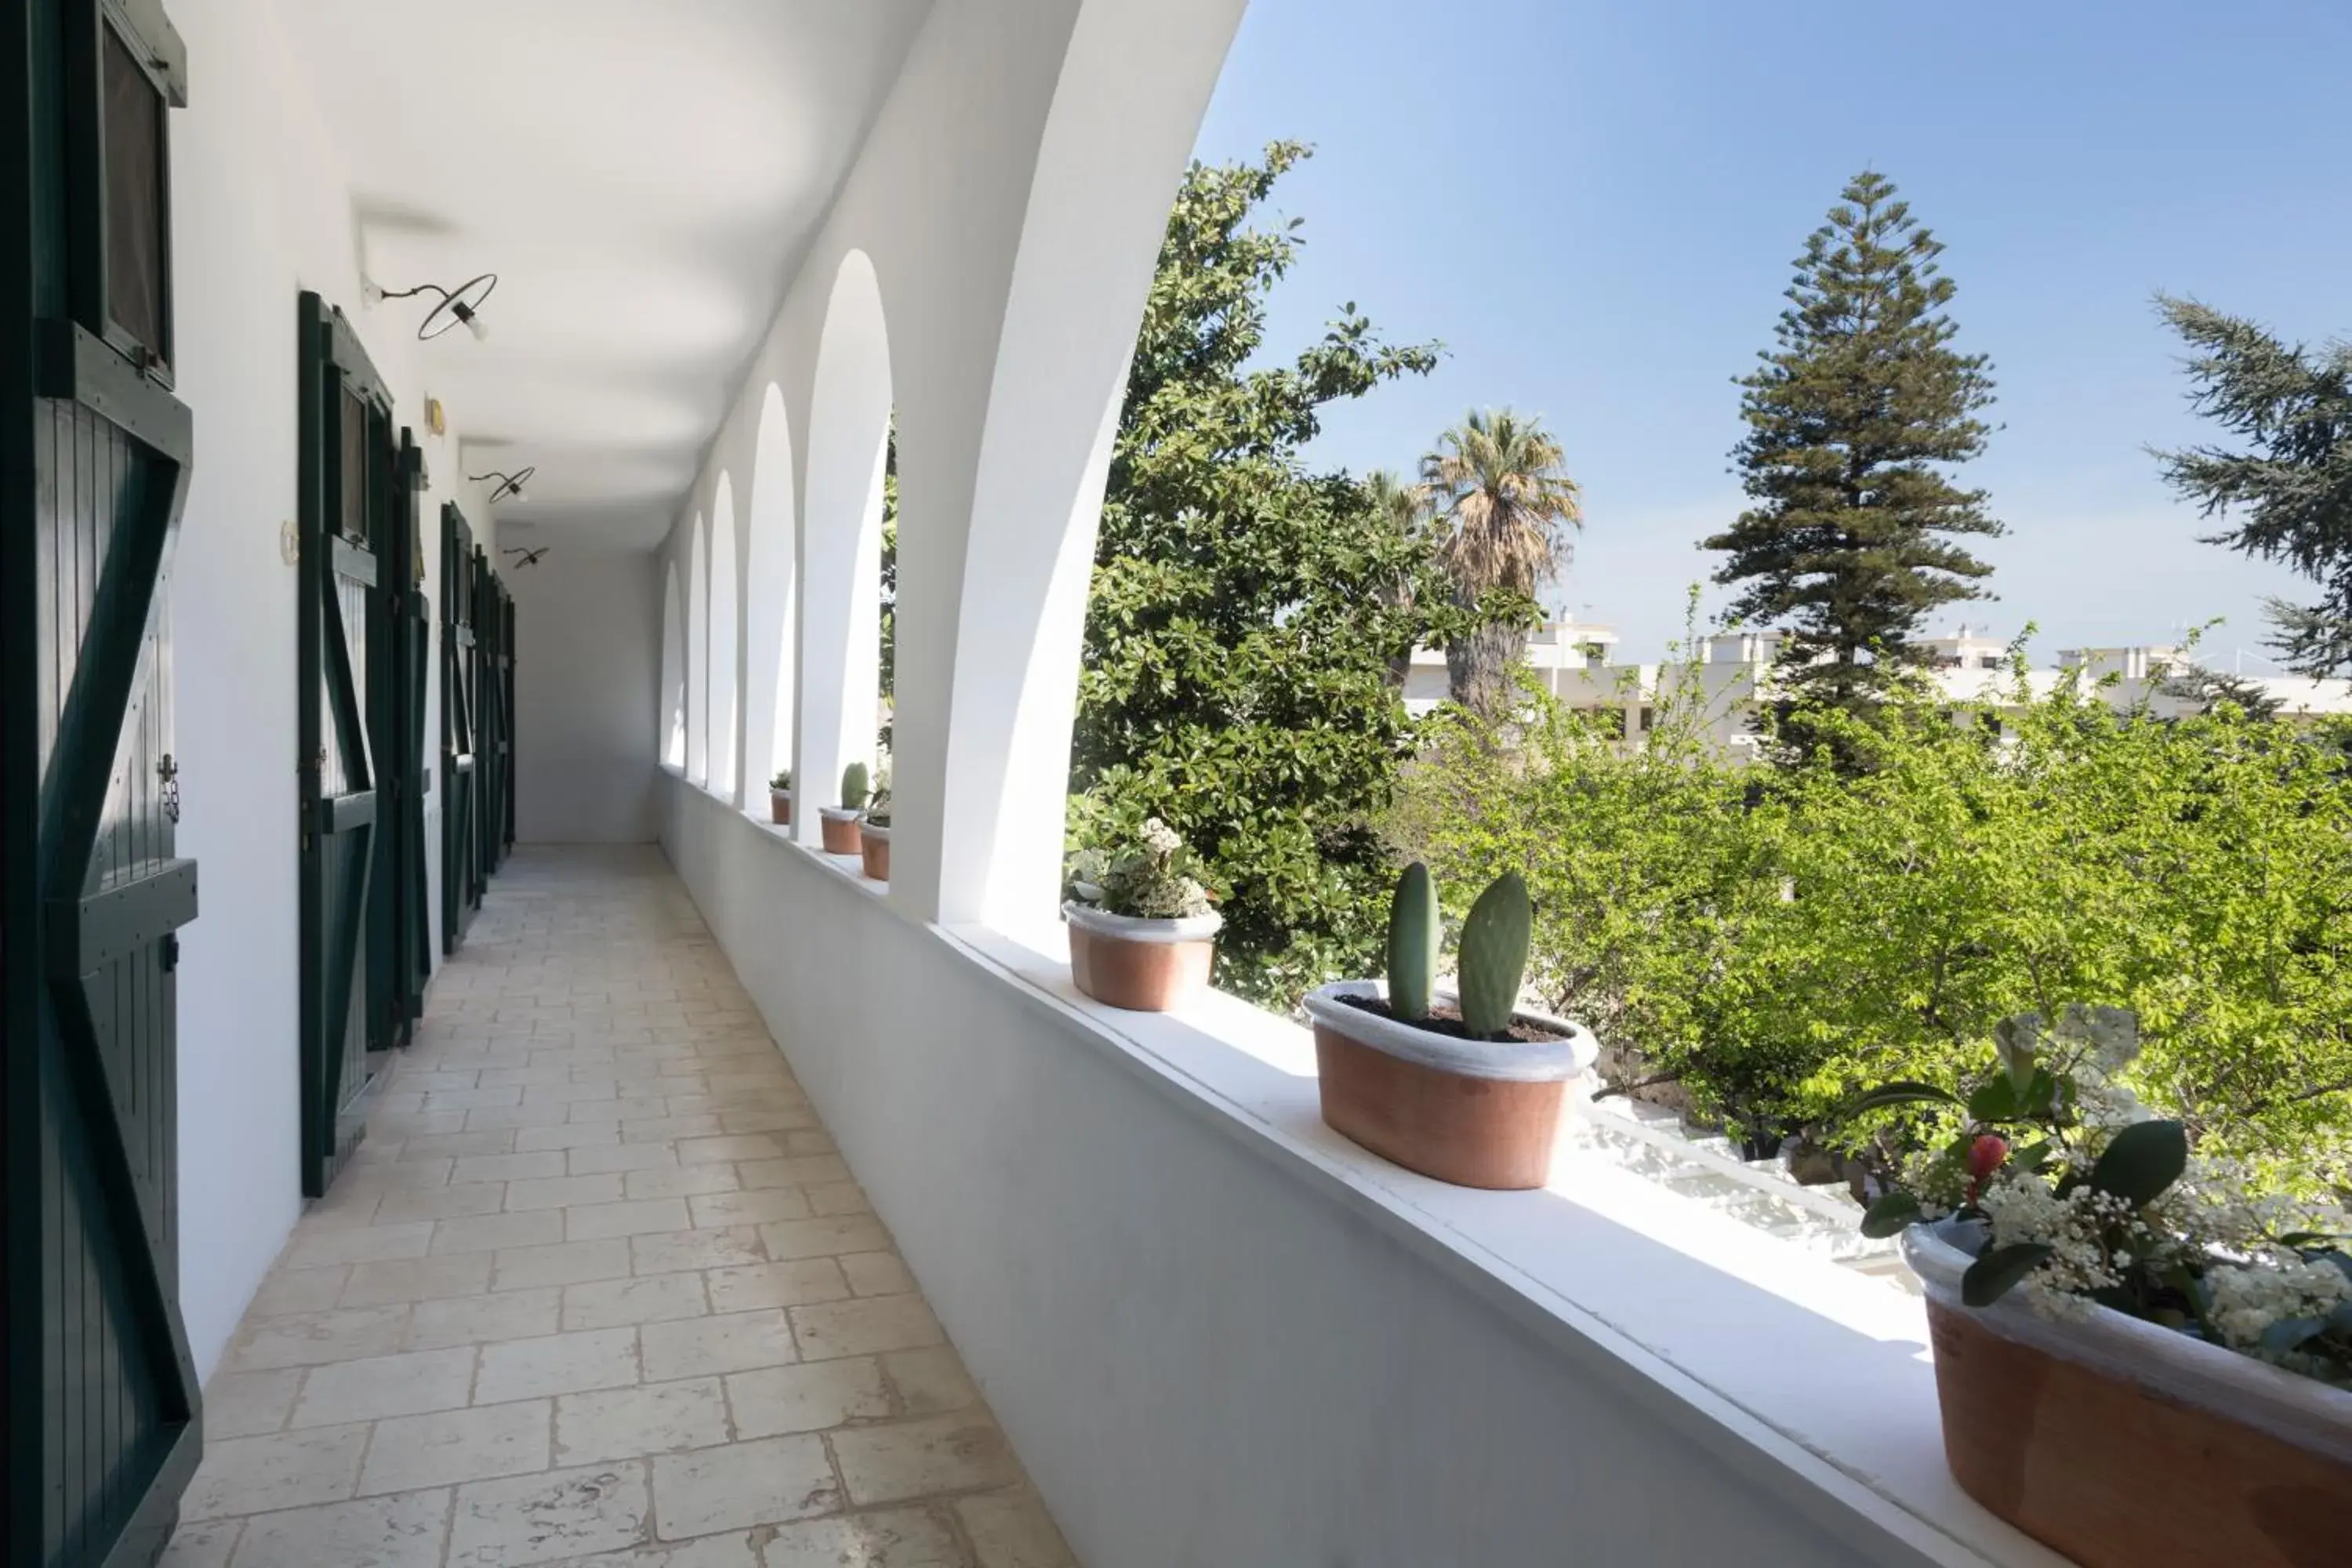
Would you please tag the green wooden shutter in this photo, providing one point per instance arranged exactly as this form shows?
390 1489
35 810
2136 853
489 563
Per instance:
101 1410
461 881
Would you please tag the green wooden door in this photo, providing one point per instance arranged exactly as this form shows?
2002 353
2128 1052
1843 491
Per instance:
493 676
461 878
100 1409
346 459
409 622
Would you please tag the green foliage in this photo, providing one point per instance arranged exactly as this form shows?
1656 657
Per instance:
1775 941
2292 493
1246 608
1852 420
889 586
1412 944
1493 963
854 787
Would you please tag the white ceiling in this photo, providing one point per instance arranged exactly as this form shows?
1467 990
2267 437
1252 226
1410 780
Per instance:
642 175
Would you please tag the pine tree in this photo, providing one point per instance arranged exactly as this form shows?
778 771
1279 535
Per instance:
1852 420
2291 496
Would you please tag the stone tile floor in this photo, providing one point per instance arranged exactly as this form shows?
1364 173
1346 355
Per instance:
597 1288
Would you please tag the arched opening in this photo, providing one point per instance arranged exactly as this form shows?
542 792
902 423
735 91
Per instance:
724 654
697 658
672 739
849 434
1113 152
772 593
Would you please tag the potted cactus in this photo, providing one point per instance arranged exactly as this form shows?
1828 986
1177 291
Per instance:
1142 935
874 830
1466 1085
2137 1360
780 797
840 822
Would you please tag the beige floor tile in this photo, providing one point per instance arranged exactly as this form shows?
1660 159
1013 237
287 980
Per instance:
877 1273
531 1167
824 1237
442 1203
780 1399
734 1146
930 1382
491 1232
202 1544
666 1252
890 1538
922 1458
299 1291
564 1263
417 1279
377 1387
600 1158
247 1403
558 1191
593 1222
791 1284
735 1548
545 1519
290 1470
403 1530
863 1326
559 1363
697 1347
769 1481
461 1145
838 1198
310 1338
642 1299
453 1446
474 1319
361 1244
677 1181
748 1208
531 1140
656 1418
1013 1530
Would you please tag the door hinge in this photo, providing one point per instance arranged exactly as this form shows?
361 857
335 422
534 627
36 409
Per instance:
169 949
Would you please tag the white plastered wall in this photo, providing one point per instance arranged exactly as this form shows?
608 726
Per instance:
243 247
588 630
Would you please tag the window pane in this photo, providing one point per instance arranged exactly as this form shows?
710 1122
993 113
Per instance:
134 198
354 520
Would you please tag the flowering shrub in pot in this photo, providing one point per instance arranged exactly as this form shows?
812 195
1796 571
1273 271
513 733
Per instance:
2137 1360
780 797
1143 933
873 831
839 823
1466 1086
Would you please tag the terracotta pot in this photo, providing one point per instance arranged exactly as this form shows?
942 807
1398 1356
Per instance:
874 843
2123 1444
1143 965
780 806
840 830
1478 1113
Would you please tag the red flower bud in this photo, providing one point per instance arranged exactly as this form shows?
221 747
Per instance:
1986 1155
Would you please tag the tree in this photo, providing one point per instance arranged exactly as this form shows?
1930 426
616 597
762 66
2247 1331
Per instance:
1850 421
1505 501
2293 489
1246 608
1403 508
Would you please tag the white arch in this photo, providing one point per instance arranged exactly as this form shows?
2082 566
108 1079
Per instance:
841 546
698 659
725 656
672 739
1133 86
771 591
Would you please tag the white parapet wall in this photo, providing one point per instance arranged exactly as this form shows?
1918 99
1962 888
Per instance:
1218 1333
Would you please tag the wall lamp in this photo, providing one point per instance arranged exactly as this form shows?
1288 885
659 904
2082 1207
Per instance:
458 307
510 485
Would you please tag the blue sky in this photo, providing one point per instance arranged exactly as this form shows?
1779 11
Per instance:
1595 207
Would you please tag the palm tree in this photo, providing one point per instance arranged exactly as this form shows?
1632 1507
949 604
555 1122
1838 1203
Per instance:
1506 504
1404 510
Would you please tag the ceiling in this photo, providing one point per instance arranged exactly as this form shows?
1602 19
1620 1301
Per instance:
642 177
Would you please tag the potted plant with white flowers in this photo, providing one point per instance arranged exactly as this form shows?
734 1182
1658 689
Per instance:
2137 1360
1142 932
780 797
1461 1084
839 823
874 830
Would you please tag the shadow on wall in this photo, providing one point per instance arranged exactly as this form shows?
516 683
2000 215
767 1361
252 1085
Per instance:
589 667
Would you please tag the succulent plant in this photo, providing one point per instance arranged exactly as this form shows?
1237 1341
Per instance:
1412 944
852 787
783 779
1151 879
1494 957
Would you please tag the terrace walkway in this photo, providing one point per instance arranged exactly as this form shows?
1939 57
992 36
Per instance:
597 1288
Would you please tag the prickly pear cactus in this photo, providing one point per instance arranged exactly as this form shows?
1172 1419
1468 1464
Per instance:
852 787
1494 957
1412 944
